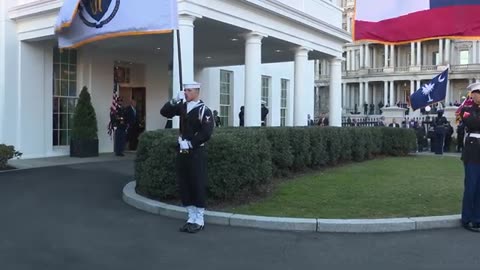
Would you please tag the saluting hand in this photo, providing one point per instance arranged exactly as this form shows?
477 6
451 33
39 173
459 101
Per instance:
180 96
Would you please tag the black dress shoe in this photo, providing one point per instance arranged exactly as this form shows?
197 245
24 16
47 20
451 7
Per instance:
473 227
194 228
185 227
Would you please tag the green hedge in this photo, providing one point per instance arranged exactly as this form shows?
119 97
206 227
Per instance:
244 161
7 152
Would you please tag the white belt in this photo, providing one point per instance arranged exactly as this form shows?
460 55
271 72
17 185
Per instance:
474 135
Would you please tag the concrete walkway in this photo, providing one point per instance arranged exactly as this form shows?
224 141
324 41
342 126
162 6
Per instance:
447 154
73 217
66 160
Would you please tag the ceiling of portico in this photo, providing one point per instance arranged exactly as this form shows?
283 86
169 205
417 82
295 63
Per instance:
216 44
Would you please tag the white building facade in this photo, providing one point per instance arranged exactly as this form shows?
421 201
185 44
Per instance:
374 73
242 51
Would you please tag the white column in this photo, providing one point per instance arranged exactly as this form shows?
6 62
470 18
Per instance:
419 53
323 69
367 56
300 91
349 96
326 67
385 63
447 51
412 54
374 58
412 87
440 51
349 63
425 55
335 115
392 93
3 55
385 93
353 91
367 94
352 60
344 95
349 24
475 52
362 54
397 93
361 98
253 79
418 84
374 94
447 97
186 28
392 57
185 24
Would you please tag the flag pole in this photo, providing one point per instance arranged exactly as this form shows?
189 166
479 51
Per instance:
180 78
180 75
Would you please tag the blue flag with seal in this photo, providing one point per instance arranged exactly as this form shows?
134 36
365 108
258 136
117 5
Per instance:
432 92
83 21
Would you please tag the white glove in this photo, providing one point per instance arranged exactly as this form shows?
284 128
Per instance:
184 144
180 96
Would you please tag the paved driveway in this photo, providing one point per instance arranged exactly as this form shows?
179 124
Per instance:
72 217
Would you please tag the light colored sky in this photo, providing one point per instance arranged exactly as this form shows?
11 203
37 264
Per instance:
378 10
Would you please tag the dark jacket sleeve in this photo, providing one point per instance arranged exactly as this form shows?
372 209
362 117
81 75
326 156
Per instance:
170 109
206 129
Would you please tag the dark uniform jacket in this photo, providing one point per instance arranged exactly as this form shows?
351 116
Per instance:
119 118
440 125
196 126
471 118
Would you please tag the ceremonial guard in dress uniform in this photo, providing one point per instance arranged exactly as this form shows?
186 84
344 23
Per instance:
196 127
470 116
440 130
120 126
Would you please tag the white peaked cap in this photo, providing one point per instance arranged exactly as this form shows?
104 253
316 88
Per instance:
191 85
474 86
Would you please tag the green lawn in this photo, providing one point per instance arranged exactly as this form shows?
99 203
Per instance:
390 187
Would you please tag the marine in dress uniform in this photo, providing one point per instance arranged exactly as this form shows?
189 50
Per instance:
196 127
470 116
120 125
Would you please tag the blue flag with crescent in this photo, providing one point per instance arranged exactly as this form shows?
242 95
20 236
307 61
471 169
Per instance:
83 21
432 92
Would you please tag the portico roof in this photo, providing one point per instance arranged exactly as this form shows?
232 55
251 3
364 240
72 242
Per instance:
218 24
216 44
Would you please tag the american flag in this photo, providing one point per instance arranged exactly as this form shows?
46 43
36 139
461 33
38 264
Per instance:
114 107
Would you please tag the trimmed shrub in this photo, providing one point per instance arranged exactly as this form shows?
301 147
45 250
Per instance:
376 141
398 142
282 154
318 146
359 137
240 163
243 161
300 143
347 140
333 144
7 152
155 164
84 118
